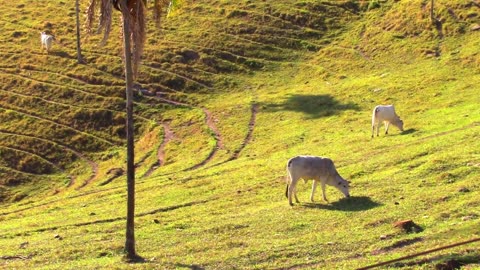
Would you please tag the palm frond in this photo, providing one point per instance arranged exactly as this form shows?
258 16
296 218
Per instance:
105 20
90 16
138 34
158 7
134 12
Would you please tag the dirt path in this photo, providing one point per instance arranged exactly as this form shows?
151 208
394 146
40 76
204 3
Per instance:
167 137
210 122
248 137
93 175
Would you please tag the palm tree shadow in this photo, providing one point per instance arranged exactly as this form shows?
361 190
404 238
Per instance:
315 106
352 204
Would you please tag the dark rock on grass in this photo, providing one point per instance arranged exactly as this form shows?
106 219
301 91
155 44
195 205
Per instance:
408 226
448 265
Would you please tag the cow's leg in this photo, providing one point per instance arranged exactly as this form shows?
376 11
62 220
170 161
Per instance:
373 128
387 124
291 189
295 193
378 128
314 186
323 191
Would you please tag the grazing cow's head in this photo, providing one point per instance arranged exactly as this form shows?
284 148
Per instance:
342 185
398 124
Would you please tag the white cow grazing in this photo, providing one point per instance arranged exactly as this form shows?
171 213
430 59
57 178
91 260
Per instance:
318 169
47 41
387 115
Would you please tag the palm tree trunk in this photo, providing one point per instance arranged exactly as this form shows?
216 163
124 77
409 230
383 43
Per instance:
79 50
130 233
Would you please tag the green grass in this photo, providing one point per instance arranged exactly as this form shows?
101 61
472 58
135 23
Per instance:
315 71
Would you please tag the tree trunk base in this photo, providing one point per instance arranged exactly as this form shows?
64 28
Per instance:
134 258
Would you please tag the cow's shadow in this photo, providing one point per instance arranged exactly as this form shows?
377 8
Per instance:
408 131
352 204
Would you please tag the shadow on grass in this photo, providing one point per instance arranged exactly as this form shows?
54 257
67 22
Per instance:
346 204
134 259
188 266
315 106
450 261
61 54
409 131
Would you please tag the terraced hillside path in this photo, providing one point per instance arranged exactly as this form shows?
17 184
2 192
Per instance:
92 164
167 137
249 136
209 120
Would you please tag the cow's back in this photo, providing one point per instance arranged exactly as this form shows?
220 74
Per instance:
310 167
384 112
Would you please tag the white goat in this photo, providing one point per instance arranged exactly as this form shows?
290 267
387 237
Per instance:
47 41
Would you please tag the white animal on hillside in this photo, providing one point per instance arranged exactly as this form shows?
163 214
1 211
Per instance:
47 41
318 169
387 115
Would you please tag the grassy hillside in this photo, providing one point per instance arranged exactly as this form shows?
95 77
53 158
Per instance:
231 91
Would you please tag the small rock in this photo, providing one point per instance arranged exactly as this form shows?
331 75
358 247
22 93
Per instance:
330 243
397 203
408 226
475 27
92 214
383 237
469 217
156 221
24 245
464 189
57 236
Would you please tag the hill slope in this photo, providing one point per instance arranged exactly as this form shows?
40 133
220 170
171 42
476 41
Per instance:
231 91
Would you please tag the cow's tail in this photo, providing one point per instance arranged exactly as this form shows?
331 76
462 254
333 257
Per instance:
288 177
